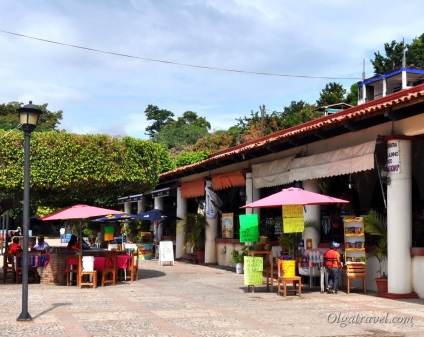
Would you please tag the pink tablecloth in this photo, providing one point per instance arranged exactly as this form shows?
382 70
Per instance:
99 262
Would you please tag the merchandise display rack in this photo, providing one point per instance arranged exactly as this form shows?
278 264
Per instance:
354 237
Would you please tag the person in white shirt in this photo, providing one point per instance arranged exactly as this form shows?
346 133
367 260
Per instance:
62 232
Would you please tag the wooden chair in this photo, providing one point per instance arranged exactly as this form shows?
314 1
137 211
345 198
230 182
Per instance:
72 269
133 267
356 271
86 277
32 268
110 269
285 280
9 267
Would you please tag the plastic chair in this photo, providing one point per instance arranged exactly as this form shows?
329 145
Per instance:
72 268
86 277
285 280
9 267
356 271
110 269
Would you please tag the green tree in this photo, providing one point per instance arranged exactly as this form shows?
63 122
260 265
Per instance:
187 158
415 52
332 93
297 113
48 121
183 132
191 118
392 59
352 96
160 118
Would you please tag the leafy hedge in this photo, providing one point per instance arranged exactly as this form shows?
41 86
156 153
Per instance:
68 168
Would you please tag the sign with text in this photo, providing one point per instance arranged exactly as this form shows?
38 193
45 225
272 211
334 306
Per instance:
292 211
293 225
293 220
253 267
166 252
249 228
393 156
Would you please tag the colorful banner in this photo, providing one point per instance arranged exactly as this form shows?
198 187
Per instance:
227 225
249 228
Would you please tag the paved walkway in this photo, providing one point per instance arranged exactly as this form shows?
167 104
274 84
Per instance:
192 300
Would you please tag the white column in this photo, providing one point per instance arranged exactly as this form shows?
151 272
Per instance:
141 206
399 223
211 235
159 205
127 207
252 194
181 213
404 80
384 87
312 212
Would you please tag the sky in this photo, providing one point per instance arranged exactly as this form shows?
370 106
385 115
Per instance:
219 58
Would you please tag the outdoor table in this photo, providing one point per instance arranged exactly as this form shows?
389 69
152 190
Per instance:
122 263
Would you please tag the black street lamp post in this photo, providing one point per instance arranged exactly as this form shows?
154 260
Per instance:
28 118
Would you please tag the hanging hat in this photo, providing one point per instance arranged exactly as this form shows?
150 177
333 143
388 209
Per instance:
335 244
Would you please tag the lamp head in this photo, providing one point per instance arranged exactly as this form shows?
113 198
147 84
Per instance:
28 116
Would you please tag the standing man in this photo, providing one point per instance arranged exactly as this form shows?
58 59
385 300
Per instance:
332 262
62 232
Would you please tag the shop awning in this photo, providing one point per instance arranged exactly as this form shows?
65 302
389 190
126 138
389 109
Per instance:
221 181
339 162
193 189
271 173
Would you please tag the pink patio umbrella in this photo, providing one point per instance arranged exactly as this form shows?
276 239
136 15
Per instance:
294 196
79 212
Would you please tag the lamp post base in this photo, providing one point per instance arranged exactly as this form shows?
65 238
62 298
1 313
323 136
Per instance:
24 316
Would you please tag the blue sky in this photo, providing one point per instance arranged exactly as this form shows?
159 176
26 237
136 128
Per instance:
106 93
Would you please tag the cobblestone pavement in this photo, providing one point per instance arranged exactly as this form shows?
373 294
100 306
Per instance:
194 300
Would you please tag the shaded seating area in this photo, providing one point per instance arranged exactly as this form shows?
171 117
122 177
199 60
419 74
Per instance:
109 267
12 266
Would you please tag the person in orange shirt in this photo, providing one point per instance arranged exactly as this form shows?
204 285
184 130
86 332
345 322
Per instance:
332 262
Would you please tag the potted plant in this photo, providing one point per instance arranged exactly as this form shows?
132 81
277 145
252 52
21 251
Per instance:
287 243
194 225
237 258
376 224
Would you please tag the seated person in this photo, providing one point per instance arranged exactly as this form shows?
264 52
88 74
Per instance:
41 246
74 244
15 247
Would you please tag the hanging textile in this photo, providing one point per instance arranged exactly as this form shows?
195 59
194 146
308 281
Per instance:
193 189
109 233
